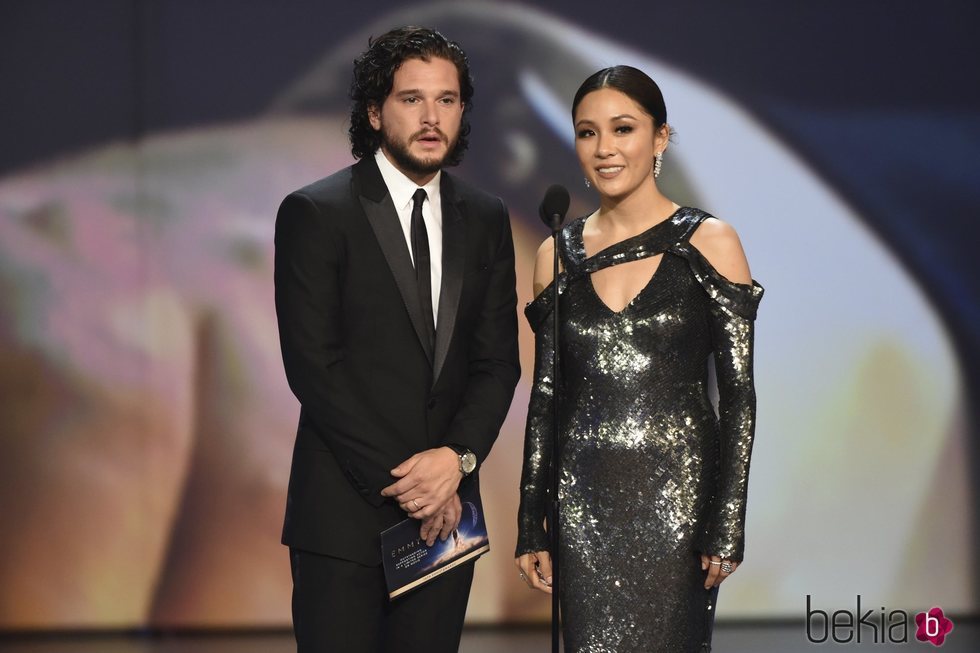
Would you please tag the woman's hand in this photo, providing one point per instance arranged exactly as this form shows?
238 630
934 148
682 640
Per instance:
535 570
718 570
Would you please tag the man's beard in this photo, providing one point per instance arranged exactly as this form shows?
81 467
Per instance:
400 152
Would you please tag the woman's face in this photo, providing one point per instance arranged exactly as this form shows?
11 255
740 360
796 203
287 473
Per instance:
616 142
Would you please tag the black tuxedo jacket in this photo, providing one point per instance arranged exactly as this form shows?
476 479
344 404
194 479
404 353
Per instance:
372 390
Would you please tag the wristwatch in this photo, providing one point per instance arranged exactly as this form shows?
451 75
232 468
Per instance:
467 459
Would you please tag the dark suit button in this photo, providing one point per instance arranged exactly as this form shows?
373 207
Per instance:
432 403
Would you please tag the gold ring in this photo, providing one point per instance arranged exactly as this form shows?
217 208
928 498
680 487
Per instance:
417 506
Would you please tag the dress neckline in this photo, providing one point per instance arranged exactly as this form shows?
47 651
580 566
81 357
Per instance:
654 240
650 242
622 244
741 299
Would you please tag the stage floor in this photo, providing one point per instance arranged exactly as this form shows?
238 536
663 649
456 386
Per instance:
729 638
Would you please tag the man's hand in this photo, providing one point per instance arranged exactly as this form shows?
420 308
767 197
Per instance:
429 480
442 523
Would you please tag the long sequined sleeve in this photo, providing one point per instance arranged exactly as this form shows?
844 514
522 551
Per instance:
538 440
732 322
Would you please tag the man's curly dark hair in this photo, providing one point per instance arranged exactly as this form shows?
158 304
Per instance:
374 73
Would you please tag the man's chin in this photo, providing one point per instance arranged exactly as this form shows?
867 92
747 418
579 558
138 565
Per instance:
418 160
430 158
426 165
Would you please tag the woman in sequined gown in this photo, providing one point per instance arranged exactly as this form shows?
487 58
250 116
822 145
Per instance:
652 482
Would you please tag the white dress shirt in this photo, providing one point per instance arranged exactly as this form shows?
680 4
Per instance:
402 189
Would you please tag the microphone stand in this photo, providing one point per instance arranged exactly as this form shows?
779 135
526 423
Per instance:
553 515
552 212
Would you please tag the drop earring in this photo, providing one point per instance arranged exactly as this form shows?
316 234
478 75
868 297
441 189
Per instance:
587 184
657 164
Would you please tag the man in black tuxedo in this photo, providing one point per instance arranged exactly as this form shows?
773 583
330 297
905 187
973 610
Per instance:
395 295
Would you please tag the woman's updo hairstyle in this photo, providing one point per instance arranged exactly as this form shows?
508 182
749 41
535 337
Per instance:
632 82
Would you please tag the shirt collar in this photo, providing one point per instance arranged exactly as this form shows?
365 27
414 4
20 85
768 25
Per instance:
401 188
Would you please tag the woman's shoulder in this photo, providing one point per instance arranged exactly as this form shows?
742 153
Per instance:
545 255
544 259
544 266
717 260
719 243
712 228
568 231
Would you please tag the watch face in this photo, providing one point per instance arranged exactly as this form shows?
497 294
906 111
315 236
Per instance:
468 462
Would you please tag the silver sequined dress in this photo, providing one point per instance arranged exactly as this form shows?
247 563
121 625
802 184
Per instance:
650 475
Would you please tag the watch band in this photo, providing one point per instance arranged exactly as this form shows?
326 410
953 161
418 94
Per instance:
459 449
467 459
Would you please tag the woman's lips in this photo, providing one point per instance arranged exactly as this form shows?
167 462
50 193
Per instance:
608 172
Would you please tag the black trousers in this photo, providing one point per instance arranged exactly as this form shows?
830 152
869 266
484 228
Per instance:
340 606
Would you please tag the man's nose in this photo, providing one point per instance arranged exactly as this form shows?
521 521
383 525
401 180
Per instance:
430 113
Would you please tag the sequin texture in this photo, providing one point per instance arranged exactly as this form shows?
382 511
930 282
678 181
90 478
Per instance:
650 475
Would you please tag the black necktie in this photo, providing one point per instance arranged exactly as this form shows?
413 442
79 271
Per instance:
420 254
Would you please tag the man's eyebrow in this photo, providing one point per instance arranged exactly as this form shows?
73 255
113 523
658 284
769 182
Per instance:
418 91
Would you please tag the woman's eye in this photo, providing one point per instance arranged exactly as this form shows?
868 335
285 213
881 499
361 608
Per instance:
624 129
583 133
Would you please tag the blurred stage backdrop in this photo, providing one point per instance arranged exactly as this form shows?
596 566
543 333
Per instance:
145 422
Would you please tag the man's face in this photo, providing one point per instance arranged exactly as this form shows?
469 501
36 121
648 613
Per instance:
420 119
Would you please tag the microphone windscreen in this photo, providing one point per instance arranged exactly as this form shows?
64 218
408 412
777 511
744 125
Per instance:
555 203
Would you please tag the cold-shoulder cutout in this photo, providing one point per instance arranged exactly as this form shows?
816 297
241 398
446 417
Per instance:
740 298
720 245
540 307
543 263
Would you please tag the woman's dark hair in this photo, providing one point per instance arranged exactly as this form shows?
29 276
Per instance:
374 74
632 82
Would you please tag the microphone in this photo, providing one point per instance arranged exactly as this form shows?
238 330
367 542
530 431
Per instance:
554 206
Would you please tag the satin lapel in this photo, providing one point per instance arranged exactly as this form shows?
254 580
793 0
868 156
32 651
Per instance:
384 221
453 258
